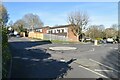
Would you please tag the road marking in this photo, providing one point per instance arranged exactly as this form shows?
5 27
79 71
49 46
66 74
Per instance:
35 59
115 48
93 49
111 47
62 60
16 57
99 70
24 58
93 71
104 65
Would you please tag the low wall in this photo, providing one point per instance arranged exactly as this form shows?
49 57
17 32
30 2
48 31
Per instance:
55 37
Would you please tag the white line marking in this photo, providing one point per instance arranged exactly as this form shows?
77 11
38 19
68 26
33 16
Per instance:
16 57
115 48
35 59
104 65
62 60
111 47
24 58
93 49
93 71
103 70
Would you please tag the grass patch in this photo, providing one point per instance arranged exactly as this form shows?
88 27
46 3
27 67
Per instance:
59 41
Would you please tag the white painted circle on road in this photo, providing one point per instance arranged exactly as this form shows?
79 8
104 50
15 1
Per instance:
62 48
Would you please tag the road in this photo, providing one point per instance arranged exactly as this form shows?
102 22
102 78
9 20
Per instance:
33 59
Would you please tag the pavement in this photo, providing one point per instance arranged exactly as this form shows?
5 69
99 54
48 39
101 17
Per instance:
34 59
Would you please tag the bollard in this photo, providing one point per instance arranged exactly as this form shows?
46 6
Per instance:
95 42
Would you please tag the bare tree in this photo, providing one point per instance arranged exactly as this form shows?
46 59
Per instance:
32 21
96 31
78 21
19 25
110 32
115 27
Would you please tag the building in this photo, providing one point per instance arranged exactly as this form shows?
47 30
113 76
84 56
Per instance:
62 30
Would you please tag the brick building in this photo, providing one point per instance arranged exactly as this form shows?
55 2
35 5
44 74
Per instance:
63 30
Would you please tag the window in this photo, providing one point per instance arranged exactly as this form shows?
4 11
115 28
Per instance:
54 31
49 31
62 30
58 31
39 30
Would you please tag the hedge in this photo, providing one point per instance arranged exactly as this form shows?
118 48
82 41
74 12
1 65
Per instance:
6 56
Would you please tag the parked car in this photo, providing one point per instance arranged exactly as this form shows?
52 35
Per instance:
87 39
102 41
11 35
117 40
17 35
110 40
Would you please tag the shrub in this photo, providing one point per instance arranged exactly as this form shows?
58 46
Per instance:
98 39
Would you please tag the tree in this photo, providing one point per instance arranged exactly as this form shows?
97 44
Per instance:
3 15
32 21
115 27
95 31
78 21
19 25
110 32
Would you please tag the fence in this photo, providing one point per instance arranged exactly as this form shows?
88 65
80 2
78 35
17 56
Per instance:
54 37
47 36
35 35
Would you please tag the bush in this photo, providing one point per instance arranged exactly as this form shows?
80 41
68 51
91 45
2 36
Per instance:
98 39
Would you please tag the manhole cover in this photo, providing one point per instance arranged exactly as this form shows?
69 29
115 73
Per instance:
62 48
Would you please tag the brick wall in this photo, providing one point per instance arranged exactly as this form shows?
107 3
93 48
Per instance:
44 30
71 36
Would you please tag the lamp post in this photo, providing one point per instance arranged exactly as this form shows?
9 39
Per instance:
50 34
89 34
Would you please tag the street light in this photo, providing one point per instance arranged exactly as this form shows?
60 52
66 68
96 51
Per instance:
89 34
50 34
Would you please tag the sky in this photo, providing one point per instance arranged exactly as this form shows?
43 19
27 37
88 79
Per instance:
55 13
